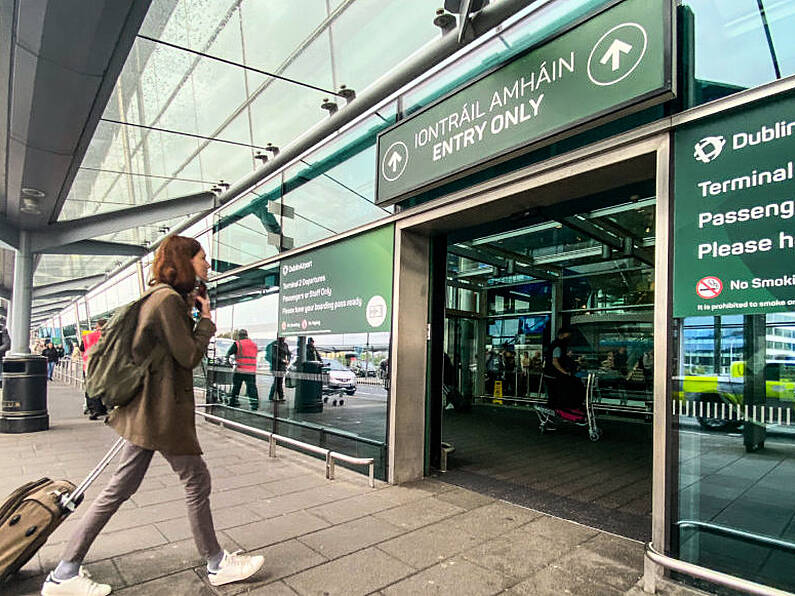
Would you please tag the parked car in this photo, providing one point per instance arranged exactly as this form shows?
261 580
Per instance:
337 377
365 369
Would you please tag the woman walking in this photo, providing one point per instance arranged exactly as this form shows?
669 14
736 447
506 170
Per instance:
160 419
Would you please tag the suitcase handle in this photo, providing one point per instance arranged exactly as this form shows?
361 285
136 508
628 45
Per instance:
69 502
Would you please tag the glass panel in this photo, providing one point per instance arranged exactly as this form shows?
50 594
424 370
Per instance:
734 399
731 50
280 393
323 206
249 229
371 24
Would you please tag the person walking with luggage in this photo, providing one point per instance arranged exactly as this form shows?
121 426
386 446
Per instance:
245 352
52 355
160 418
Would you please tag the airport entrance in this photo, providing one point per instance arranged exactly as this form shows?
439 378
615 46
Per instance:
511 426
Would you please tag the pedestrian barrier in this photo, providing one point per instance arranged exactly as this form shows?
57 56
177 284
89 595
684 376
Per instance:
331 457
69 372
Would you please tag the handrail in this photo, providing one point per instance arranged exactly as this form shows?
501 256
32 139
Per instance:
710 575
739 534
274 439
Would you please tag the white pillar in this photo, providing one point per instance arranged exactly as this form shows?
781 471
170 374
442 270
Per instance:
22 296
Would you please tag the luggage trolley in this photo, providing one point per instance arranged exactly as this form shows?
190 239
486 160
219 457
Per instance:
547 415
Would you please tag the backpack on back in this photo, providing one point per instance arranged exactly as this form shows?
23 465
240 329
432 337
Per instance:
111 373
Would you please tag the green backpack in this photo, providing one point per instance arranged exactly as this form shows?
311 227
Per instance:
111 373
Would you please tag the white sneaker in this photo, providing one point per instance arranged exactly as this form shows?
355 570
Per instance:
235 567
79 585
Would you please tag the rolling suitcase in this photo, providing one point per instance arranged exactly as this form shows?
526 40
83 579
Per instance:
32 512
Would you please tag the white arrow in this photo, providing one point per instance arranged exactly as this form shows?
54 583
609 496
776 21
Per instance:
614 53
394 161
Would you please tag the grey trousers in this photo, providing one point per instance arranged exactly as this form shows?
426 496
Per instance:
195 476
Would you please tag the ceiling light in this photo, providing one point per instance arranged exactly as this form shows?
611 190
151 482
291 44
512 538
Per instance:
33 192
329 106
348 94
30 206
445 21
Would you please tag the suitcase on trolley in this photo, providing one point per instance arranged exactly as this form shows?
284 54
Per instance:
32 513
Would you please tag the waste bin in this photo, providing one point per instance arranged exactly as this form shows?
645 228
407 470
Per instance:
309 387
24 405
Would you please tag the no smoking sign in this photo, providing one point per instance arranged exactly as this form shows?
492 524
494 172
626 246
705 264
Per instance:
709 287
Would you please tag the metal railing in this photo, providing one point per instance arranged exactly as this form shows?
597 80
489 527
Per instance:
710 575
758 539
331 457
70 372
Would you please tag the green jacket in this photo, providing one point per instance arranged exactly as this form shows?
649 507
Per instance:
162 417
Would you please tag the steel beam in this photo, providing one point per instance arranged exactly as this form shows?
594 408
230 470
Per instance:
589 229
97 247
59 294
76 230
81 283
46 309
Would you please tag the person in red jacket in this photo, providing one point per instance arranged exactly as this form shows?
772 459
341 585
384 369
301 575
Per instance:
245 352
94 405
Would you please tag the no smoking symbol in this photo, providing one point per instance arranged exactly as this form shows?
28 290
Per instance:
709 287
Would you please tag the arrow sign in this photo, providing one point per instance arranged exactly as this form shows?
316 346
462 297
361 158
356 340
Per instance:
614 52
394 161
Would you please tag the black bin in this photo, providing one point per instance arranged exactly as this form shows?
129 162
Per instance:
24 405
309 387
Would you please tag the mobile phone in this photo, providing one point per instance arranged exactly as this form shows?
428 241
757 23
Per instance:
201 290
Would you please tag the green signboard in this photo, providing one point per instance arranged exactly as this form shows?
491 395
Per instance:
734 239
345 287
616 59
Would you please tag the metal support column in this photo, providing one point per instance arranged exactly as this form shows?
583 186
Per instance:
22 297
24 405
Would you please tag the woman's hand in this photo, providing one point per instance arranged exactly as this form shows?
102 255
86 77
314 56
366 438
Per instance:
204 303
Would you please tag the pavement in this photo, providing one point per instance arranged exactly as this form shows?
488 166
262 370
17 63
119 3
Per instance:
319 537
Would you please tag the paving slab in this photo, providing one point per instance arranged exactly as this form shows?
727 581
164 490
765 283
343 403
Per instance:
185 582
454 576
362 572
354 535
277 529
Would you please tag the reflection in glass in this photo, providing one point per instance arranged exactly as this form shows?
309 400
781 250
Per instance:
734 400
326 390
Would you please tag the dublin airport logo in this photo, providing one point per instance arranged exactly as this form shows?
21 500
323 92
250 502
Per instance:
709 148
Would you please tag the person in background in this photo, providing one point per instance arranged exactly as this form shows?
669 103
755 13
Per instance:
51 354
5 346
94 405
566 391
160 418
280 357
312 355
245 352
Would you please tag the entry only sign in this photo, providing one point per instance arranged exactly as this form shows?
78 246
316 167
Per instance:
617 60
345 287
734 238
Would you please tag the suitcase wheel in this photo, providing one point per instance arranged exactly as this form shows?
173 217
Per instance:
14 520
30 531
